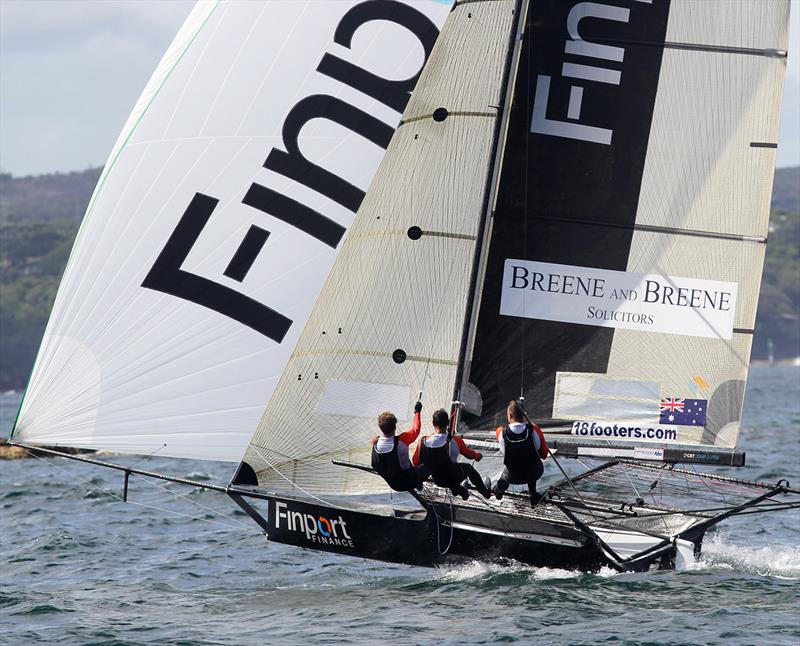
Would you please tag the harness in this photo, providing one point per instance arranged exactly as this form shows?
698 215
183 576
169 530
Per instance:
388 466
444 471
521 457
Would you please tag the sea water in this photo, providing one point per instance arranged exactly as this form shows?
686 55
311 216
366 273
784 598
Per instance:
78 566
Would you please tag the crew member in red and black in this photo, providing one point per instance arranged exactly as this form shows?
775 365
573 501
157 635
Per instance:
439 453
390 453
523 447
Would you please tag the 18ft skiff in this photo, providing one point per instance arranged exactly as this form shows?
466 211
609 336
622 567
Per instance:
318 210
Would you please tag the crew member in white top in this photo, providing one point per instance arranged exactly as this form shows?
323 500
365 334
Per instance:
390 453
523 447
439 452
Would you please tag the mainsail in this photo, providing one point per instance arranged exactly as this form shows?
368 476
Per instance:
216 222
620 290
389 322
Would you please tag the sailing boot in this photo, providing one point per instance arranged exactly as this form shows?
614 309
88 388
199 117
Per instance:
483 486
500 488
462 491
487 483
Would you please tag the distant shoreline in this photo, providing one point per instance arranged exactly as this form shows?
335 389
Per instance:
777 362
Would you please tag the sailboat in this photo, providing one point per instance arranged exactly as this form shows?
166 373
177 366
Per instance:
321 210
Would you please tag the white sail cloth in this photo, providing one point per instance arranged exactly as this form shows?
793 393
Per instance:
198 263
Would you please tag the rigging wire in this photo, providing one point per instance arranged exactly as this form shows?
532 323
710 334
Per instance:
185 496
294 484
150 455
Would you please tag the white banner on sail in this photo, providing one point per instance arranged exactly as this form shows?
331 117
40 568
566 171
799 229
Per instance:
618 299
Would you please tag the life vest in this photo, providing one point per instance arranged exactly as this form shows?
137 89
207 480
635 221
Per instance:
443 470
521 457
388 466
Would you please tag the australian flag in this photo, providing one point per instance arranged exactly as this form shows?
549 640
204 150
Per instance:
683 412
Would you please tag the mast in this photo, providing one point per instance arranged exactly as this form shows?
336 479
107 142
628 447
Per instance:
492 183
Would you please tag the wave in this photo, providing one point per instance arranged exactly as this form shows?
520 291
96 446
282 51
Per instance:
781 561
486 571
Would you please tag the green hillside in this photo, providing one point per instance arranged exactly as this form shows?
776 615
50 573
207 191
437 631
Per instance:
39 217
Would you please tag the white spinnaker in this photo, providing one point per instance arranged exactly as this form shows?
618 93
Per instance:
709 168
134 369
390 292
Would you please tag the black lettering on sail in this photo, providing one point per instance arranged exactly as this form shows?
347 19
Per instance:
167 276
394 94
294 213
294 165
246 254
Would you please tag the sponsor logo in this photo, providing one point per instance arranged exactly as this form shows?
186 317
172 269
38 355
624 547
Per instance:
618 299
167 275
624 431
590 65
317 529
701 457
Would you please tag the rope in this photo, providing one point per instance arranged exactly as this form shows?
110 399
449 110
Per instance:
144 457
239 526
186 497
438 524
294 484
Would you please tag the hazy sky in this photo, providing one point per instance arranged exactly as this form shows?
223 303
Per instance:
70 72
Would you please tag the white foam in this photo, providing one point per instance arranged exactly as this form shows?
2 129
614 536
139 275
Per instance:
479 569
772 560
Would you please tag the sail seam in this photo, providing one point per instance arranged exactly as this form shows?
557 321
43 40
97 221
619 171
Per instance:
652 228
456 113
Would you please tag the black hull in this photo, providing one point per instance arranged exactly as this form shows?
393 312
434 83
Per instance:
441 534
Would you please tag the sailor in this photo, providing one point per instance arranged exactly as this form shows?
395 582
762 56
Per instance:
439 452
390 453
523 447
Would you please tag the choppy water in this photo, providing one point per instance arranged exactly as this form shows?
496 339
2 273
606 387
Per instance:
79 567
